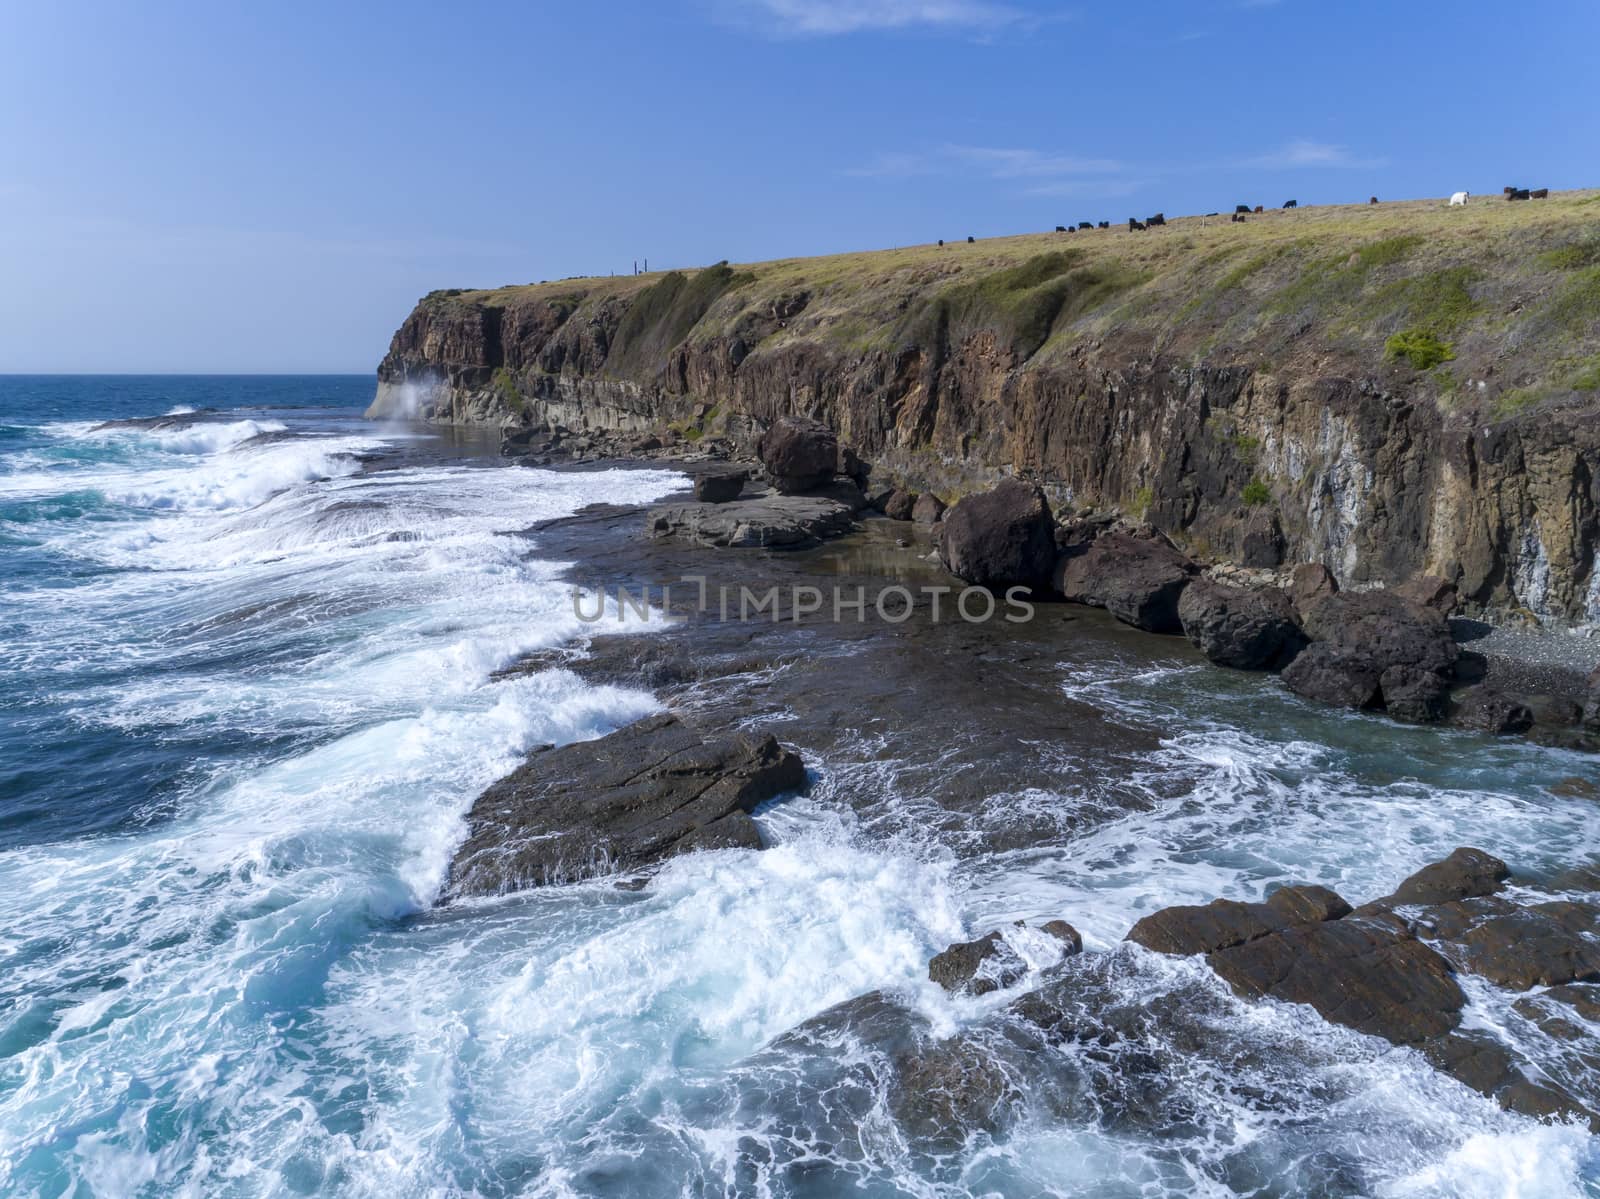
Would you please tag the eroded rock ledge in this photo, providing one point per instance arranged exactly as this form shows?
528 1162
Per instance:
1103 1036
644 793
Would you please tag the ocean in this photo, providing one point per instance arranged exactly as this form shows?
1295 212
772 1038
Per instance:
248 693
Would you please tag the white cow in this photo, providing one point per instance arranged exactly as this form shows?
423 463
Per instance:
1460 198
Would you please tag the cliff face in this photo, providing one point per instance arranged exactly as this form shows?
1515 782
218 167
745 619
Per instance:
1244 395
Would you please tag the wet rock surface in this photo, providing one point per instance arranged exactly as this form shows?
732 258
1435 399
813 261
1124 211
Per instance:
1372 647
1239 628
768 521
641 794
1137 579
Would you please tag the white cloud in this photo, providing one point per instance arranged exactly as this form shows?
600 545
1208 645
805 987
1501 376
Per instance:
1302 153
823 18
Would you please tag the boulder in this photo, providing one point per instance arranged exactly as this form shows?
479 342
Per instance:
1591 702
1489 711
1001 537
630 799
1466 874
1429 591
900 504
720 487
1369 973
1222 923
944 1092
1417 696
977 967
1137 579
1071 940
1244 629
1310 582
1259 540
799 454
778 522
850 465
928 510
1369 646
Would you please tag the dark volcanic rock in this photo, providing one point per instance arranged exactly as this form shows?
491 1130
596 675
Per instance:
1310 582
799 453
1429 591
1466 874
1137 579
720 487
944 1091
770 521
928 510
1188 929
1071 940
1232 626
1321 672
1000 537
900 505
1365 972
977 967
641 794
1488 711
1545 945
1370 645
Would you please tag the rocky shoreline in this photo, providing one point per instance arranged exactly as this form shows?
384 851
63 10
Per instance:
1393 968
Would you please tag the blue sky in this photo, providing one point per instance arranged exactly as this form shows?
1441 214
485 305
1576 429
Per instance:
270 187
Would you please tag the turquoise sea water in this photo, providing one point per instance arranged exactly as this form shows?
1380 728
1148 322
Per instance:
246 697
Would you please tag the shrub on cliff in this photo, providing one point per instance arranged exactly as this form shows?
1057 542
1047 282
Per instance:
1420 348
1256 493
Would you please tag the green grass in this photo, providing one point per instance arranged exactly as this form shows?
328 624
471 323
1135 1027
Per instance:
1572 257
1420 348
1440 301
1577 304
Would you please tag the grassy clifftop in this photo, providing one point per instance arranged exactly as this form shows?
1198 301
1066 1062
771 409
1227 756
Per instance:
1494 308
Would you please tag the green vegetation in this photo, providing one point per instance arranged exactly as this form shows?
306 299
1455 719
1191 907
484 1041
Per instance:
1420 348
1574 256
1577 304
1586 375
1022 304
506 384
662 315
1439 301
1139 506
1256 493
1246 446
1387 251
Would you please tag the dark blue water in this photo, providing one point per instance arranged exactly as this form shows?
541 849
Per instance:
247 692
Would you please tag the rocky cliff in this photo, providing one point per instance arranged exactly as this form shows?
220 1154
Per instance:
1388 390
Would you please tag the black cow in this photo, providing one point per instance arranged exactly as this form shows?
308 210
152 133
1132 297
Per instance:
1105 224
1237 218
1259 208
1506 191
1291 203
1374 200
1521 193
1158 219
1134 225
1241 208
971 240
1061 229
941 241
1542 193
1086 224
